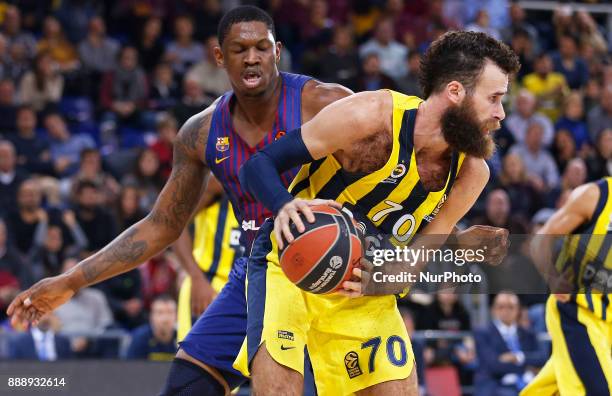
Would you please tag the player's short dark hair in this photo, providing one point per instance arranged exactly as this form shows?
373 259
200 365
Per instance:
245 13
461 56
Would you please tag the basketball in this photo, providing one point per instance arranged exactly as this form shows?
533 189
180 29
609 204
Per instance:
324 255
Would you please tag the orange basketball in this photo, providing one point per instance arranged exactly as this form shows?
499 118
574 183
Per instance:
324 255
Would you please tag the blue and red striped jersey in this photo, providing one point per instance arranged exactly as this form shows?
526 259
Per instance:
226 151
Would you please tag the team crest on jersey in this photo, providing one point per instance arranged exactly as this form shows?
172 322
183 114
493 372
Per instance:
351 361
398 171
222 143
279 135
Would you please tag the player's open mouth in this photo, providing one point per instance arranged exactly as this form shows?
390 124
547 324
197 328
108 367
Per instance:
251 79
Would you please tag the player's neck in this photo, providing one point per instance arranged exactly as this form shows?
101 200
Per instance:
427 128
258 110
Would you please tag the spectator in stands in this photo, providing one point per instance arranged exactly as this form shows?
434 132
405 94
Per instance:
572 120
41 342
75 16
147 178
498 214
64 146
588 32
50 248
206 16
124 296
96 222
183 51
8 106
372 78
548 86
86 312
11 176
481 24
42 87
541 167
128 207
166 134
600 163
600 117
508 354
32 152
164 90
150 47
341 60
124 90
523 45
391 54
513 179
211 78
62 52
90 169
567 62
158 277
524 114
98 52
592 93
564 148
156 340
519 23
15 273
192 102
26 219
409 84
574 175
11 28
18 62
445 313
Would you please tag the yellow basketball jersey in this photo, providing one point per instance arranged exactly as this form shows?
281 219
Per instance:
587 257
393 197
216 241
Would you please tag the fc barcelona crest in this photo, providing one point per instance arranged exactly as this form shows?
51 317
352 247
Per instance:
222 143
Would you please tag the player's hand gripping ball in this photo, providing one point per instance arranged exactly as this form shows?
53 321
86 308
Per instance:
324 255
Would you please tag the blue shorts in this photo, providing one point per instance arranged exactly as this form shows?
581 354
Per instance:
215 339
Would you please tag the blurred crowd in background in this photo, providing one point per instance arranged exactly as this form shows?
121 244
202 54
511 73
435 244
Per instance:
92 94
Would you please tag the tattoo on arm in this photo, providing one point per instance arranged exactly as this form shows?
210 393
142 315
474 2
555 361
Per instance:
169 215
124 250
182 191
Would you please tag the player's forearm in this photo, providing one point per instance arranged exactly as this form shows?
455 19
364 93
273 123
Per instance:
183 248
134 246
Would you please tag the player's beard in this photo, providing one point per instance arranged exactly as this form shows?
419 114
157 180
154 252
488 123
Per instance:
464 132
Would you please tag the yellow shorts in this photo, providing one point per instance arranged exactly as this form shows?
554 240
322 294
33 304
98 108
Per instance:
352 343
581 359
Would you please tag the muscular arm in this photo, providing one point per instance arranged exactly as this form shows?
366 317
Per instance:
168 217
576 211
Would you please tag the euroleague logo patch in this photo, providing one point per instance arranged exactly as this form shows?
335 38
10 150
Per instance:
351 362
335 262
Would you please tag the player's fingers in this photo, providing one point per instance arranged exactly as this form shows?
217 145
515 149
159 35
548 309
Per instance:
357 273
349 294
287 232
278 234
297 220
18 302
305 209
352 286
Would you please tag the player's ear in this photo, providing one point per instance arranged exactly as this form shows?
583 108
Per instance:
218 56
455 91
277 51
